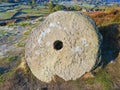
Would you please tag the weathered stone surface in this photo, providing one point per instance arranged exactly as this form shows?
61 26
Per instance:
66 44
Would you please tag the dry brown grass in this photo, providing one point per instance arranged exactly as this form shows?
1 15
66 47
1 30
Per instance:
103 18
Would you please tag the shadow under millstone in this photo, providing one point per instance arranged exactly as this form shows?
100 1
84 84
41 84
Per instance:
110 46
45 88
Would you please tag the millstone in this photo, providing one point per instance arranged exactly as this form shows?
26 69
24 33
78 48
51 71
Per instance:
66 44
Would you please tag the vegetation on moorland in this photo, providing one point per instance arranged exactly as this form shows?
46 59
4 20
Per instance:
104 18
104 77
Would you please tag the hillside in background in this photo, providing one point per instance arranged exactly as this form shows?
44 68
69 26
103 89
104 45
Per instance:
82 1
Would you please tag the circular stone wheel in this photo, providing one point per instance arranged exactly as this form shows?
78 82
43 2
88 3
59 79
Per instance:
66 44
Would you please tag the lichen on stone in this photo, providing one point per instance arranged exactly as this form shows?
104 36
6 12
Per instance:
66 44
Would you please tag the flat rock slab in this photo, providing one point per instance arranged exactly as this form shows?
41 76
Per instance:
66 44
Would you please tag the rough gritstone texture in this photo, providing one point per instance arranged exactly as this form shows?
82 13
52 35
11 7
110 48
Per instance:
66 44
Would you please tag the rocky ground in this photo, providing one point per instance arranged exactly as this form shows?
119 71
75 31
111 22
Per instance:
15 74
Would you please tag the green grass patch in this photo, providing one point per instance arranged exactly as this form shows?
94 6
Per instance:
7 14
39 11
26 32
21 44
104 78
3 60
12 58
1 78
2 32
7 75
8 59
24 24
24 6
90 81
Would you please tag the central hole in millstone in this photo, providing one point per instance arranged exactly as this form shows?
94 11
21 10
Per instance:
58 45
